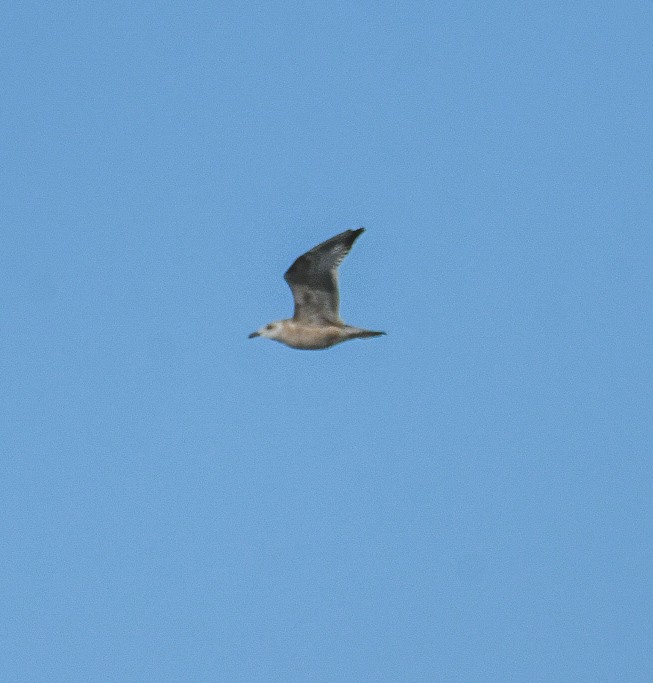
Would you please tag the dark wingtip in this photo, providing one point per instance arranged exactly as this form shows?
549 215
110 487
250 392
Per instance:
353 235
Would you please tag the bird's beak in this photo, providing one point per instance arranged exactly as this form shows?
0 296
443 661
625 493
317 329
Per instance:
254 334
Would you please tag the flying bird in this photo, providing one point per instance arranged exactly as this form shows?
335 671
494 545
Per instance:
313 280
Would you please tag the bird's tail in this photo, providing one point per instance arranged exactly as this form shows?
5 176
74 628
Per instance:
368 333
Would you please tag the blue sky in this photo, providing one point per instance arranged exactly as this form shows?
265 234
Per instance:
466 499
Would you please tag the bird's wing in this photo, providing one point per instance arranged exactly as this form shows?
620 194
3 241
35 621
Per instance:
313 279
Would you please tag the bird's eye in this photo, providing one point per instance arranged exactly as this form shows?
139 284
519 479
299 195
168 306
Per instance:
269 327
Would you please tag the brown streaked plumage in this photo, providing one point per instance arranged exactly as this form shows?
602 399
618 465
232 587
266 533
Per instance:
313 280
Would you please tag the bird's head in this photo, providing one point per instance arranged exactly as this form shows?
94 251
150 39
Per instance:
271 330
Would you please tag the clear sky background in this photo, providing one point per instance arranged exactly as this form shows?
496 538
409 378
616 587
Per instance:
466 499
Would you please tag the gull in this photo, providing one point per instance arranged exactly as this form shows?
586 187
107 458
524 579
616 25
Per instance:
313 280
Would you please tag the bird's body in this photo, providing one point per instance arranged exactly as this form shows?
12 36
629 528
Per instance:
307 337
313 280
